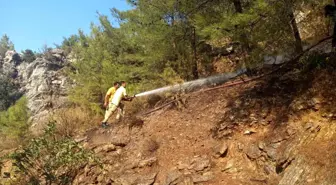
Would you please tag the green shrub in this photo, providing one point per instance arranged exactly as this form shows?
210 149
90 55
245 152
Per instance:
8 92
5 45
14 124
313 60
50 160
28 56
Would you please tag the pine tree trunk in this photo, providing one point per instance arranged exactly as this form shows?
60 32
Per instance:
239 9
296 32
194 64
238 6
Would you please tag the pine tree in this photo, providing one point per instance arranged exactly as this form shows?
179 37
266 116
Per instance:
28 56
5 45
164 42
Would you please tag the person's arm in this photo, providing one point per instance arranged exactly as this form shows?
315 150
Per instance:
107 97
126 97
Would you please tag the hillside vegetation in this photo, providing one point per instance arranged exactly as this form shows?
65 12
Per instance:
164 42
266 131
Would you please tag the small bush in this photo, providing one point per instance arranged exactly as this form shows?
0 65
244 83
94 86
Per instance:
14 124
136 106
28 56
313 60
5 45
8 93
72 120
50 160
142 103
154 99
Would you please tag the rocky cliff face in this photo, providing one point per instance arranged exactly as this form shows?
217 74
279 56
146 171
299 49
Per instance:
41 81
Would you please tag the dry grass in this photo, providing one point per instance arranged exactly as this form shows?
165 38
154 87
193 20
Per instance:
71 121
143 103
8 143
136 106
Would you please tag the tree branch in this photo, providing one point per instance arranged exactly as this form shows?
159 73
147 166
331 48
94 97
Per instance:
200 6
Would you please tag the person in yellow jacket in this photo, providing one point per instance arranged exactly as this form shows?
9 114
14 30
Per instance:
114 103
108 98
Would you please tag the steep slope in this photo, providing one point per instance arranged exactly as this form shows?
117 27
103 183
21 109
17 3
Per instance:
275 130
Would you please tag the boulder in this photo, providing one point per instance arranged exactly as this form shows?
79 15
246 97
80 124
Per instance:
147 162
11 60
58 54
253 152
105 148
12 57
230 167
130 179
57 51
197 178
173 177
249 132
221 150
272 153
200 163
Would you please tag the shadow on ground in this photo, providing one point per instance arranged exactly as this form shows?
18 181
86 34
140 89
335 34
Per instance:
306 84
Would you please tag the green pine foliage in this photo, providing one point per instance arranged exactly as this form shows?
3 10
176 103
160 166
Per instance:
28 56
50 160
5 45
159 43
8 92
14 123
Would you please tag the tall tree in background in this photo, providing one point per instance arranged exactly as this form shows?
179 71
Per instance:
162 42
69 43
28 55
239 10
5 45
290 12
8 92
103 57
167 33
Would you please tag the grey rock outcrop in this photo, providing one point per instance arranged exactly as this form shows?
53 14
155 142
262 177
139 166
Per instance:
9 63
57 53
42 82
